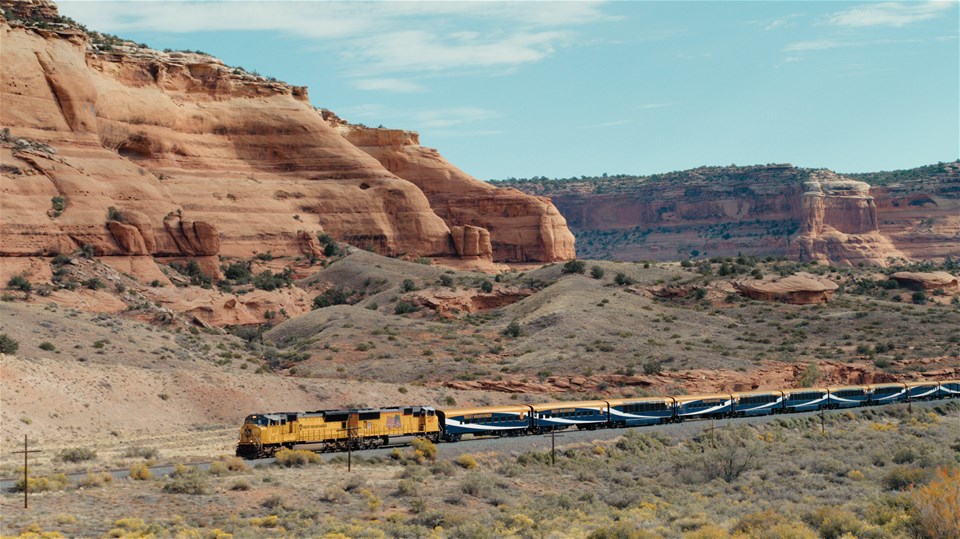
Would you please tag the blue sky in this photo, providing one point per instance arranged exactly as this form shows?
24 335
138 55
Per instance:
584 88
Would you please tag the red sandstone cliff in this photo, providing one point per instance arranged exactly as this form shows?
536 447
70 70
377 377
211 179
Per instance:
201 159
763 210
521 227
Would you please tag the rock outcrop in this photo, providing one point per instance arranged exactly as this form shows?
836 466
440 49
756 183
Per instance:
202 159
927 280
800 289
763 210
521 228
838 222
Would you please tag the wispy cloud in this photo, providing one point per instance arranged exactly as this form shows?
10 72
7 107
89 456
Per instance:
608 124
890 13
449 117
389 85
825 44
815 45
426 51
374 38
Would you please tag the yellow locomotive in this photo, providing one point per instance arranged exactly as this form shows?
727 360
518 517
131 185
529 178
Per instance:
262 435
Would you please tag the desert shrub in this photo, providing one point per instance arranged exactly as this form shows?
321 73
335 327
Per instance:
94 284
486 286
446 280
771 524
77 454
233 464
652 367
48 346
290 458
622 279
240 485
330 297
919 297
477 485
113 214
408 285
146 453
58 203
20 282
834 523
903 477
44 483
937 505
466 461
597 272
8 345
140 472
621 531
94 479
733 452
238 271
404 307
192 482
708 531
61 260
407 487
574 266
513 330
267 280
810 375
425 447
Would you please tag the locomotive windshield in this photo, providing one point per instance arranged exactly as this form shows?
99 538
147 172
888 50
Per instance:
259 420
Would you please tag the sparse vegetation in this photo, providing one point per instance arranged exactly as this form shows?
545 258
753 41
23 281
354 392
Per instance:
8 345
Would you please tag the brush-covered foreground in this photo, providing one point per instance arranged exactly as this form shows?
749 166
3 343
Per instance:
876 473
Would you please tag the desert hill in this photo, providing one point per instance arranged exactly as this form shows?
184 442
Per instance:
778 210
374 330
129 152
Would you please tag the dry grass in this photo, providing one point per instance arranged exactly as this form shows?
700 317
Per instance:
632 485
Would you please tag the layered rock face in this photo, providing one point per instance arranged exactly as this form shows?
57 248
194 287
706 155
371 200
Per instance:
839 222
521 228
763 210
199 159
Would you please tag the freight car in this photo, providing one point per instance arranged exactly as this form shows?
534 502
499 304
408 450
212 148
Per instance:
262 435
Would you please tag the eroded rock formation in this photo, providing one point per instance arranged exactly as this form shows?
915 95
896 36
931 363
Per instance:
201 159
838 221
927 280
521 227
801 289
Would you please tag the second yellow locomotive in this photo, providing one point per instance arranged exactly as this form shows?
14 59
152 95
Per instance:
262 435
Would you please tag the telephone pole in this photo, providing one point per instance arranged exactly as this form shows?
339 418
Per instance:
26 474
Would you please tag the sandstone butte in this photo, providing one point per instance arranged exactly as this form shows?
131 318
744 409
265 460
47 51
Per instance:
203 160
762 210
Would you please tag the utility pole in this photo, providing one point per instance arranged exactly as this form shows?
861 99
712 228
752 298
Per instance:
26 475
350 432
553 447
823 428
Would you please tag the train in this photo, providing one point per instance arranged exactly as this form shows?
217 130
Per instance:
263 434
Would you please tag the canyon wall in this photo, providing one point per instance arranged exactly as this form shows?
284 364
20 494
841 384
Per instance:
763 210
521 227
127 151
